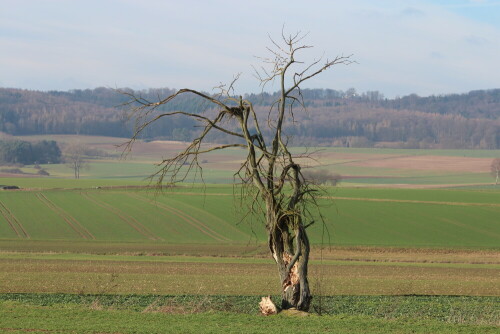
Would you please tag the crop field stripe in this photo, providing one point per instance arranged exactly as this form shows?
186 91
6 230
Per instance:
75 224
195 222
200 193
365 199
207 214
70 220
410 201
368 199
4 212
10 223
13 222
469 227
165 214
369 159
132 222
184 216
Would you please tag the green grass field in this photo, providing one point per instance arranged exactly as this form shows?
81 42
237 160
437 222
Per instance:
228 314
354 216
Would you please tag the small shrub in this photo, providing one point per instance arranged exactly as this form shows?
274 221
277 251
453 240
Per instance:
43 172
322 176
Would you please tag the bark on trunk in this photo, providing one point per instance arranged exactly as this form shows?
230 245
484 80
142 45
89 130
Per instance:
289 247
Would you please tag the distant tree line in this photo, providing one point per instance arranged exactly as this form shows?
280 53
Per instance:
26 153
333 117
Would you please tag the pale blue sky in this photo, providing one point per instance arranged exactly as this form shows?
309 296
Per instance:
402 47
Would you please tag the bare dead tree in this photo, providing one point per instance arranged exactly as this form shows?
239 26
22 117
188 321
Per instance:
270 176
495 169
74 156
322 176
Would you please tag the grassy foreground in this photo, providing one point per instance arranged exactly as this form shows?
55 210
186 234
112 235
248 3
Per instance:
20 319
217 314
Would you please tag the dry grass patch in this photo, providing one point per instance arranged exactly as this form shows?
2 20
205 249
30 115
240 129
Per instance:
406 255
227 276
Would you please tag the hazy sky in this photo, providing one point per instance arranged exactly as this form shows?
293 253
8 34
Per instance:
402 47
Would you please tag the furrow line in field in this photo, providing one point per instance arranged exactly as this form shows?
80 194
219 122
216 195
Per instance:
71 221
410 201
132 222
187 218
470 227
7 218
13 221
71 218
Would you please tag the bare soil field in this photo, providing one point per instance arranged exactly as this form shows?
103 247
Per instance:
336 158
158 148
428 163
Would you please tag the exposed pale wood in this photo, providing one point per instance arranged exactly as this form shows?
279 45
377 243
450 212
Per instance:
267 307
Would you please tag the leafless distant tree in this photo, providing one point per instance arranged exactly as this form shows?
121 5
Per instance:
322 176
495 169
74 156
270 175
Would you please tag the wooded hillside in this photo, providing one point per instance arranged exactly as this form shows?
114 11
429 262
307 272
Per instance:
338 118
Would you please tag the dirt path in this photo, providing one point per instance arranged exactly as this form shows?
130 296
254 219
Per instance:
185 217
132 222
13 222
70 220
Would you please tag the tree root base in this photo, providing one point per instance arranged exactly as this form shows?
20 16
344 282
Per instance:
292 312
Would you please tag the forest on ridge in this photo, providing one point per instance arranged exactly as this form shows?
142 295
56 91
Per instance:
332 117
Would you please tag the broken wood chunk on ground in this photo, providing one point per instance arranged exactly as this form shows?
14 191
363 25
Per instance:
267 307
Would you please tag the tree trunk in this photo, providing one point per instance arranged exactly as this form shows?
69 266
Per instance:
290 248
